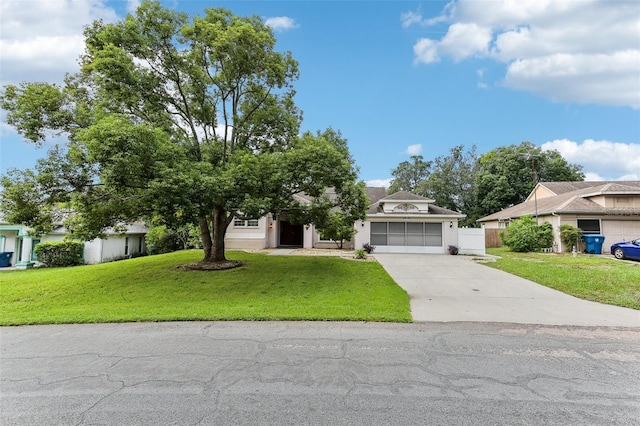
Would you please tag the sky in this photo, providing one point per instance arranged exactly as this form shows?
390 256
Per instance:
401 78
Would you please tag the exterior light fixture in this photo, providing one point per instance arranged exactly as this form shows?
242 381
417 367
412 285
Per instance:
450 224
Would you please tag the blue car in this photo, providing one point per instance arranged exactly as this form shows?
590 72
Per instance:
627 250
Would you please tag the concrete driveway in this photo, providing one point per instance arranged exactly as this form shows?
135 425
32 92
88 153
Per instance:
454 288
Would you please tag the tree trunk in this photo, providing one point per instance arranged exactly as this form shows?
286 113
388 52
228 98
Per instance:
216 248
205 237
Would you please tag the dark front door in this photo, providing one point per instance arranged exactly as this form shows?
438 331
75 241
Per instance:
290 235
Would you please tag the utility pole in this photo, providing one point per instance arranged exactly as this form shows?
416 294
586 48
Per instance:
531 156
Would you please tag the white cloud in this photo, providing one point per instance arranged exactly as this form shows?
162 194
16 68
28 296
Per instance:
379 182
571 51
409 18
601 160
281 23
414 149
42 41
132 5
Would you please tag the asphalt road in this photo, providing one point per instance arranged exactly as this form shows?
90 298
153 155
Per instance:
318 373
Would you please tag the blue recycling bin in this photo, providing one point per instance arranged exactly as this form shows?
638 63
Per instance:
5 259
593 243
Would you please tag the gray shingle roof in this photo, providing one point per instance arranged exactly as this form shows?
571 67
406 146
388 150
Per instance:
564 187
571 201
404 196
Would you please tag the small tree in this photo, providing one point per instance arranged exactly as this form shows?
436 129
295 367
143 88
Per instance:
570 236
525 235
338 227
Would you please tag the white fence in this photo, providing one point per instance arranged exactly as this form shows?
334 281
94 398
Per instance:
471 241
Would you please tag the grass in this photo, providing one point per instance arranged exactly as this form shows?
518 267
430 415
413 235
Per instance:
595 278
152 289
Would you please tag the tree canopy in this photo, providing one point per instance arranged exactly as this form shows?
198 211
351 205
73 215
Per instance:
178 119
451 183
410 174
479 186
507 175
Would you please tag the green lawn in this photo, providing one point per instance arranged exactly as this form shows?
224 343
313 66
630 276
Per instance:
597 278
153 289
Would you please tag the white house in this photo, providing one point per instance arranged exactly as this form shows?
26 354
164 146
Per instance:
18 240
399 223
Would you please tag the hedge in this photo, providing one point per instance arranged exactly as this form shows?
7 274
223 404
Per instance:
60 253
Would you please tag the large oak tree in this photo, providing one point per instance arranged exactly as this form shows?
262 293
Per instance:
178 119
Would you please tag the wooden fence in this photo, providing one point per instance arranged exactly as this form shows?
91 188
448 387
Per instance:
492 238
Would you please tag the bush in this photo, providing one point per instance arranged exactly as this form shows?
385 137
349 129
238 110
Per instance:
570 236
368 248
60 253
525 235
161 239
361 254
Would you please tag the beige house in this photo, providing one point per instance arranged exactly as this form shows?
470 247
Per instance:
400 223
609 208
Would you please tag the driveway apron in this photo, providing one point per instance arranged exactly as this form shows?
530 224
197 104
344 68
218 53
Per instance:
446 288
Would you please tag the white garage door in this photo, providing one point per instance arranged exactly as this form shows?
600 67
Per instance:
619 230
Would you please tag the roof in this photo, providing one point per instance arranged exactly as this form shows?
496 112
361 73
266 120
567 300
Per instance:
379 195
375 193
576 200
132 228
564 187
405 196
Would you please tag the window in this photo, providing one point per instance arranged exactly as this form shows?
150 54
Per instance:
34 243
251 223
126 246
589 226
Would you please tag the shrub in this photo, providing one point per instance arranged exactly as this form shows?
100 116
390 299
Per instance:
525 235
161 239
368 248
60 253
361 254
570 236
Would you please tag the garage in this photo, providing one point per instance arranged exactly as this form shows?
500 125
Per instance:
619 230
407 237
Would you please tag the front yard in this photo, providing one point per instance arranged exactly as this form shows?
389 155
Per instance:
596 278
153 289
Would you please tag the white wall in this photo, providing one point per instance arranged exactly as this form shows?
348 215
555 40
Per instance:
471 241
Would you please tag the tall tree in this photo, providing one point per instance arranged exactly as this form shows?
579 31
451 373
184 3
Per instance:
506 175
451 183
410 174
188 120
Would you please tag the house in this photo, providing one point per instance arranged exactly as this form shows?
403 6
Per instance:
609 208
399 223
18 240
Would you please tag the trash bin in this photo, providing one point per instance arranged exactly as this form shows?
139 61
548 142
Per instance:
593 243
5 259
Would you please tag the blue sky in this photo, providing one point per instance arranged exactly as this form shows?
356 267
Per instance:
400 78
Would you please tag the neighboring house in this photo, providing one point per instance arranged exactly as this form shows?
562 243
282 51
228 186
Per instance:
116 245
610 208
398 223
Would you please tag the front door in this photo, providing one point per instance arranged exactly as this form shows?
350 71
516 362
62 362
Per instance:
290 235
